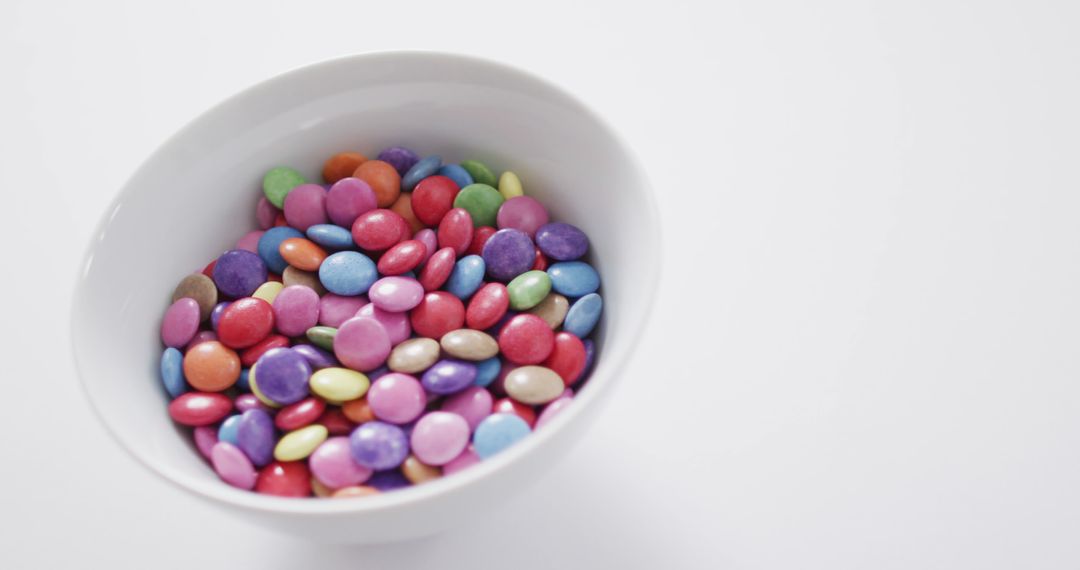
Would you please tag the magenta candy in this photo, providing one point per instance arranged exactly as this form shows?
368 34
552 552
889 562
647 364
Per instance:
296 309
181 322
336 309
347 199
439 437
245 402
205 438
473 404
305 206
232 465
265 213
427 237
362 344
250 241
464 460
554 408
523 213
396 294
396 398
333 465
396 324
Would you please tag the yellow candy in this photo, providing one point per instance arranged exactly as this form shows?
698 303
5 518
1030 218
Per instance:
255 390
339 384
510 185
298 444
268 291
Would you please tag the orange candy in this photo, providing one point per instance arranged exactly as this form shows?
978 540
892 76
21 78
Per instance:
358 410
302 254
383 179
211 366
355 491
403 206
341 165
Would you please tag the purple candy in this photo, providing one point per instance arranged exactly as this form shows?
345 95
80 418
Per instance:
377 373
245 402
379 445
448 376
281 374
238 273
508 253
215 313
401 158
388 480
255 436
562 242
316 357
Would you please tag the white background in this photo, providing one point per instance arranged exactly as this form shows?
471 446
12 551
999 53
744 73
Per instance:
865 350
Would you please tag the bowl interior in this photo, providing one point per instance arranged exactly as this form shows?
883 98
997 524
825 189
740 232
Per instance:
195 196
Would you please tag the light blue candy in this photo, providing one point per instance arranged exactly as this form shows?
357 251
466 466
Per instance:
487 371
497 432
331 236
228 429
172 372
467 277
457 173
244 383
583 315
348 273
573 278
269 243
427 166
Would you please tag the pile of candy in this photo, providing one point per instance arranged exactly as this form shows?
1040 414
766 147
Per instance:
402 322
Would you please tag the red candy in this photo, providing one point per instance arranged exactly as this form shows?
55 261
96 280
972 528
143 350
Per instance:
479 238
433 198
511 406
251 355
526 339
540 262
335 422
487 306
456 230
300 414
439 313
567 359
200 408
284 479
245 322
437 269
402 258
379 229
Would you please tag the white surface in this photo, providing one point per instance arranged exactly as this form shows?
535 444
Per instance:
874 365
364 103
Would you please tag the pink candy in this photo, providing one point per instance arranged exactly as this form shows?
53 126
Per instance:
473 404
439 437
396 398
466 459
305 206
296 309
336 309
396 294
332 464
250 241
181 322
523 213
553 409
396 324
347 199
232 465
362 344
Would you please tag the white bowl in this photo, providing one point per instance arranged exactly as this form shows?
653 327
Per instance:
196 194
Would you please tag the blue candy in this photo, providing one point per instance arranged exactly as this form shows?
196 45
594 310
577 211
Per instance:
428 166
269 243
573 278
583 315
331 236
457 173
244 383
467 277
172 372
348 273
488 370
229 427
497 432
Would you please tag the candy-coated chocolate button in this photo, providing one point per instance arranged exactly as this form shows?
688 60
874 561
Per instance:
438 313
528 290
251 355
348 273
347 199
481 201
232 465
508 253
200 408
245 322
305 206
302 254
200 288
284 479
583 315
402 258
526 339
552 309
379 230
437 269
439 437
423 168
299 443
468 344
332 464
498 432
299 414
341 165
418 472
342 384
433 198
533 385
510 185
278 182
479 172
383 179
487 306
181 322
573 278
211 366
414 355
362 344
456 230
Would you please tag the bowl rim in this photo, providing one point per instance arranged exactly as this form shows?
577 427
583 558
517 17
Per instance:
216 491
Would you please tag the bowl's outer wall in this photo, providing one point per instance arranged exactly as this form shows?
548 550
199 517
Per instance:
195 196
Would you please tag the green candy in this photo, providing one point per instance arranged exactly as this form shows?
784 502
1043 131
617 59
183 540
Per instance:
278 182
322 337
481 201
528 289
480 173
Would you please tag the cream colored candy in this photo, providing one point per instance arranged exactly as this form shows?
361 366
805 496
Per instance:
414 355
268 291
533 385
337 385
469 344
552 309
